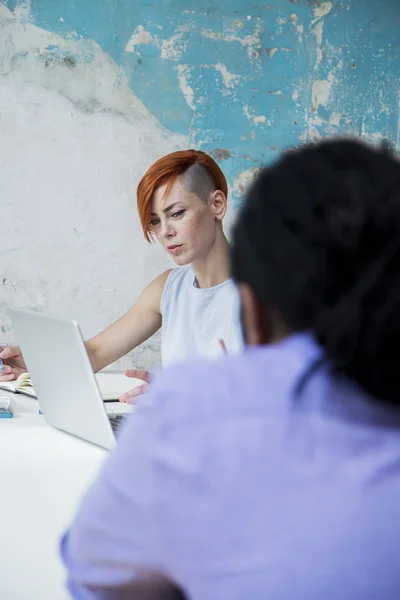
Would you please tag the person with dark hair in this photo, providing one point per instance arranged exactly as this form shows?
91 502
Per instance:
275 473
323 251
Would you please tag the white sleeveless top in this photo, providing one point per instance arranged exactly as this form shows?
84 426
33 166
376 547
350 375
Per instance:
195 319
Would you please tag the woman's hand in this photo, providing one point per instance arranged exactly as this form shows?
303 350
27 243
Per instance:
13 363
130 395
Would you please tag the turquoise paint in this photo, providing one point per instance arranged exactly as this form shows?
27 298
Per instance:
269 105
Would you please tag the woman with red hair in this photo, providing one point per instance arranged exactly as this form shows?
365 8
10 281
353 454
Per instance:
181 200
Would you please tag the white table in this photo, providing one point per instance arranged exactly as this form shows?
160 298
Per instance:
44 474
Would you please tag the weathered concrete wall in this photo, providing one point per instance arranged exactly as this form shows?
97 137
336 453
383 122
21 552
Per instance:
92 92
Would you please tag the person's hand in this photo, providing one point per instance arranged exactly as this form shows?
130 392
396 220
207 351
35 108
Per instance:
13 363
130 395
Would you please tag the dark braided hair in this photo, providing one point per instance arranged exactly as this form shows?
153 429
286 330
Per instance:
318 240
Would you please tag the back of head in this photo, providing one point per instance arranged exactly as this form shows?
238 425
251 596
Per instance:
198 172
318 240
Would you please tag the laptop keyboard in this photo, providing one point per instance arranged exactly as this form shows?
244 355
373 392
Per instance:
116 421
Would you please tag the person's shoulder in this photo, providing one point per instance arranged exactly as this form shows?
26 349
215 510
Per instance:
235 384
158 284
162 278
180 273
174 280
199 389
153 293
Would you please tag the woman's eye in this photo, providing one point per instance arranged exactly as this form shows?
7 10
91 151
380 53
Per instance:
154 222
177 214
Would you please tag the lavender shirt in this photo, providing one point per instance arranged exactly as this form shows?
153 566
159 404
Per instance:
237 487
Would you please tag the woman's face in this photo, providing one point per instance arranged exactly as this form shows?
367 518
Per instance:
185 225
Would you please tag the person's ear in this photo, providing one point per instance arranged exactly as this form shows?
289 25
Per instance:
218 204
256 320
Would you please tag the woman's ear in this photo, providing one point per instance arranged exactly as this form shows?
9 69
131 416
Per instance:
218 204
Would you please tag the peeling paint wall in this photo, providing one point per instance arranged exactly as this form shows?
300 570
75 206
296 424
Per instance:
74 142
92 92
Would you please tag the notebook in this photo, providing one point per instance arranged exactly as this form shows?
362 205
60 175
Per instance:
112 385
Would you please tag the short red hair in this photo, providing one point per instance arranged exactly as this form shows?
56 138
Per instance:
166 170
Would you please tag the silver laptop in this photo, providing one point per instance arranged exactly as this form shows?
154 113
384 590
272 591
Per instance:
63 378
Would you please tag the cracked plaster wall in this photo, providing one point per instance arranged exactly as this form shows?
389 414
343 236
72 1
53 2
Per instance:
91 93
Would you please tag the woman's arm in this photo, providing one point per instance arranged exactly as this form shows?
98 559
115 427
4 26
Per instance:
131 330
135 327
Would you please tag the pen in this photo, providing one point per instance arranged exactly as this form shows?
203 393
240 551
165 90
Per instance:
223 347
